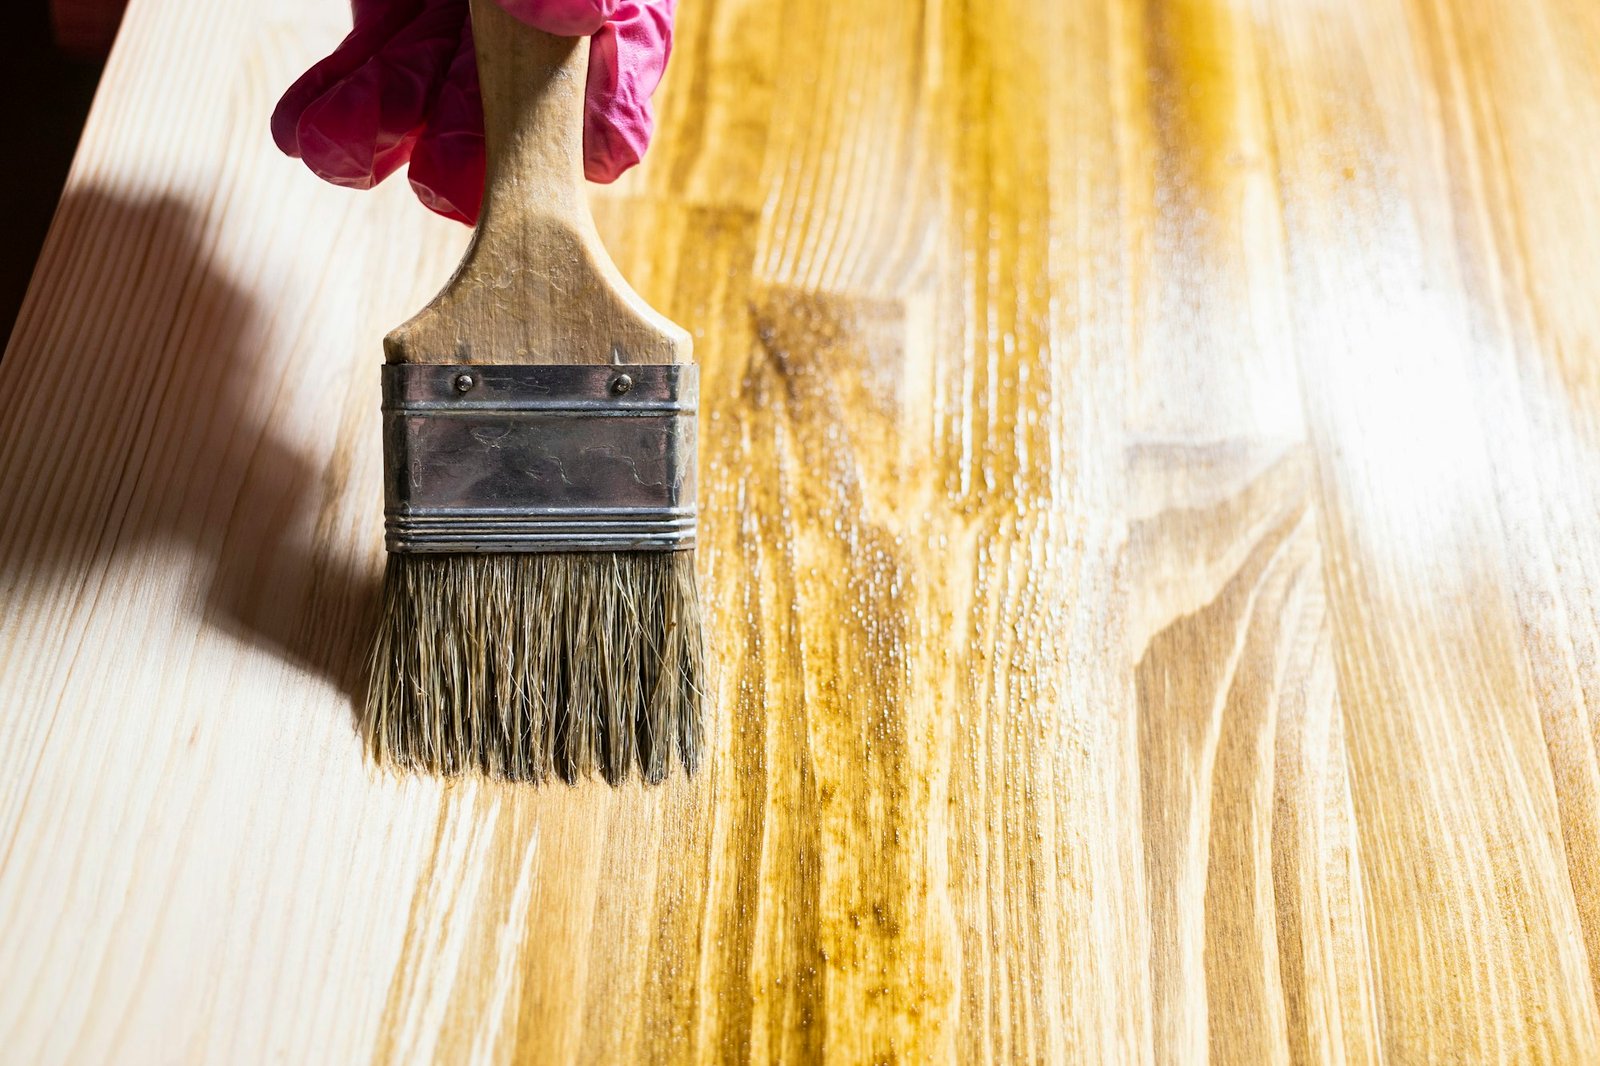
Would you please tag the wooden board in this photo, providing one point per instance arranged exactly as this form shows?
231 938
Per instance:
1150 462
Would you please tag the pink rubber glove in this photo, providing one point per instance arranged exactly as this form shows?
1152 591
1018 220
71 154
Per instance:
403 86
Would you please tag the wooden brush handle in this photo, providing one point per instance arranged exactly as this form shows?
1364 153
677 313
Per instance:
536 284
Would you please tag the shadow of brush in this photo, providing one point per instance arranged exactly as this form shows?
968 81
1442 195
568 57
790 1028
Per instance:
170 444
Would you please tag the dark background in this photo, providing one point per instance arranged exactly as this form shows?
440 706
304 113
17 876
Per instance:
46 91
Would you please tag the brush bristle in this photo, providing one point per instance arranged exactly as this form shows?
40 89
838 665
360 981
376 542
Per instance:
519 666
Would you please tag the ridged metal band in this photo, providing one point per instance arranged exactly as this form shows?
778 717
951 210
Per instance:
539 458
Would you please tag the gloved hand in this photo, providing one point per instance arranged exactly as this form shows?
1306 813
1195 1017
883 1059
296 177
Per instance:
404 86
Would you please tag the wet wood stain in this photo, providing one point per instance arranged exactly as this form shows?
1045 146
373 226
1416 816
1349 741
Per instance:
950 291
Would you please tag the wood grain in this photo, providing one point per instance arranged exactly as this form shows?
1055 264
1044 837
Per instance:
1149 466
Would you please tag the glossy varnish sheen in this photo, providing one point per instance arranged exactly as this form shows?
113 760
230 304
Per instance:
1150 539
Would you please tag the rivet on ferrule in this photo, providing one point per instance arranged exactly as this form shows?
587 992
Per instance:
539 458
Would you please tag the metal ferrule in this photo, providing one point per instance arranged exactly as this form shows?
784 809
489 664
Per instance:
539 458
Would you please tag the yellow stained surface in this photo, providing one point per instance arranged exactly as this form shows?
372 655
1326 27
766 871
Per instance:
1151 538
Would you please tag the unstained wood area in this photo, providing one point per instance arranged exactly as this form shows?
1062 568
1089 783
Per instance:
1151 535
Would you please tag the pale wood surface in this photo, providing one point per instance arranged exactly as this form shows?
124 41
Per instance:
1151 531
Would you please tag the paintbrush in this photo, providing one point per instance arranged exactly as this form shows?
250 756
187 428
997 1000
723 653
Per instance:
540 613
